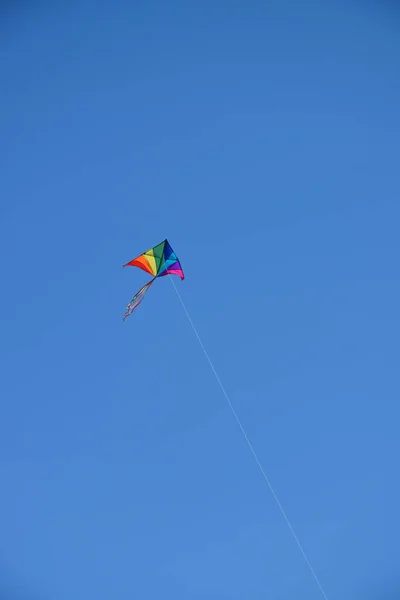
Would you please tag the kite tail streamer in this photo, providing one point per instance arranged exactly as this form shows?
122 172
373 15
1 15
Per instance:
250 444
136 300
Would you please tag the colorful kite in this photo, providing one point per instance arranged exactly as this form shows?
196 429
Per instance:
159 261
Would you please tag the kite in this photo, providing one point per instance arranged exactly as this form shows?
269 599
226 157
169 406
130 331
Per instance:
158 261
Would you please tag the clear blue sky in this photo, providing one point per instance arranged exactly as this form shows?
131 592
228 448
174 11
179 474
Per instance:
261 138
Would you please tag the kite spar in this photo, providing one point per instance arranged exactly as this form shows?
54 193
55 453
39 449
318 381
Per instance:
158 261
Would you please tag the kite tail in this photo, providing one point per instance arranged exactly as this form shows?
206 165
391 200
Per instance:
137 298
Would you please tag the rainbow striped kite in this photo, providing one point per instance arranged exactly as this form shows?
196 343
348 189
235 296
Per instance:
159 261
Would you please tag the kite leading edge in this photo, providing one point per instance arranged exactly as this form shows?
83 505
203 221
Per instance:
158 261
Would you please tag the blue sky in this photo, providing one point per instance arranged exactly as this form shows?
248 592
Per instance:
261 138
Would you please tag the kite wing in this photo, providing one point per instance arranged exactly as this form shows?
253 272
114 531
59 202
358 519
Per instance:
136 300
158 261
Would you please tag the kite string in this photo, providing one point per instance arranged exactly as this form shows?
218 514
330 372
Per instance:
250 445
